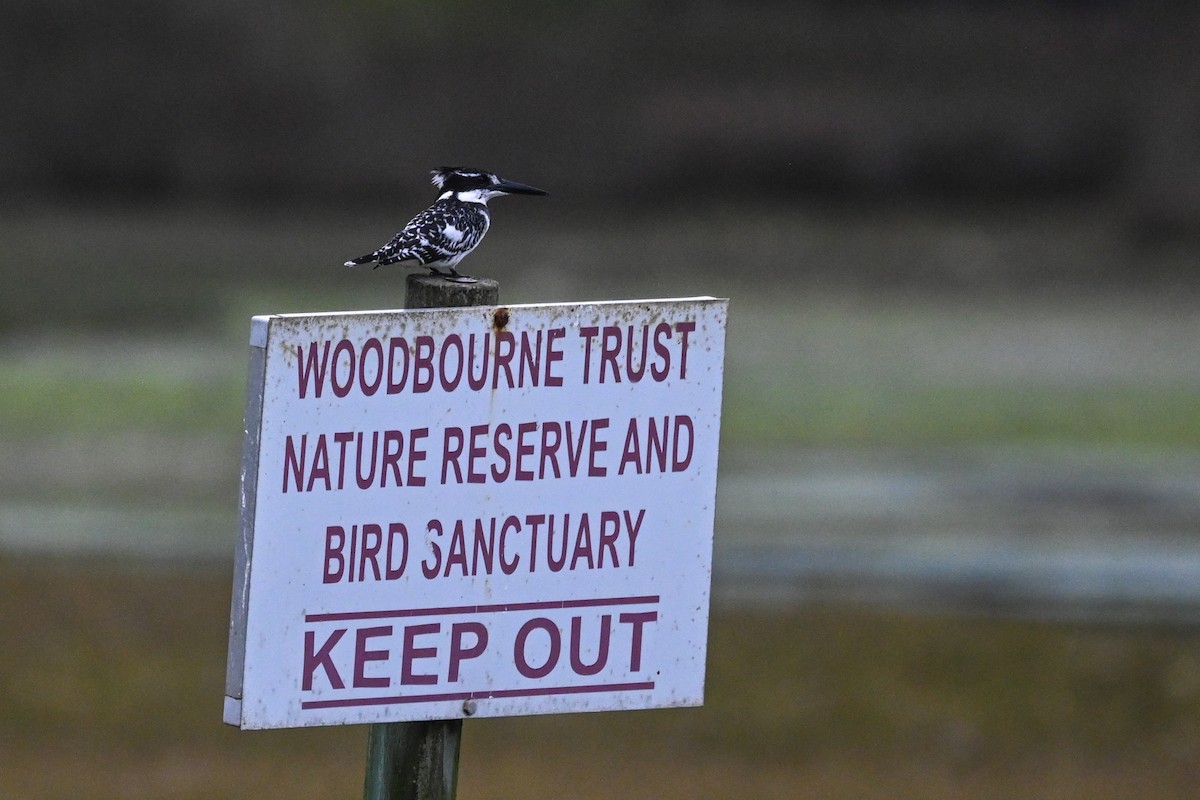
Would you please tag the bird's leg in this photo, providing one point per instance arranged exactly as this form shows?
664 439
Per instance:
457 278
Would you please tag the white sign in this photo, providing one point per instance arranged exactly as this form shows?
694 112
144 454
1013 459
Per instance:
479 511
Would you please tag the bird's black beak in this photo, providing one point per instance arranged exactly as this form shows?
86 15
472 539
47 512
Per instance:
512 187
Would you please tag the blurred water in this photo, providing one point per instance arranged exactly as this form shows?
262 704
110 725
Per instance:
181 535
1076 533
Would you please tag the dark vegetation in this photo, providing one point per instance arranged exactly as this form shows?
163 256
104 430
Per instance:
161 156
613 101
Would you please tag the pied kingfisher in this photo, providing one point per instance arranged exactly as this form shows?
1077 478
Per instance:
443 234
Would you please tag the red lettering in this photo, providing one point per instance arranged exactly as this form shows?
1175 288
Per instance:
431 568
534 521
345 348
395 383
320 470
452 449
450 384
656 444
423 365
476 451
610 346
477 382
553 355
322 659
685 328
556 564
396 529
333 554
362 655
597 446
311 371
523 449
372 536
588 332
365 482
342 438
376 346
535 359
634 527
416 454
577 646
413 653
484 547
550 451
575 454
530 357
506 347
608 538
458 550
678 463
631 452
393 446
519 648
290 459
458 653
637 620
662 331
583 543
502 430
636 375
507 566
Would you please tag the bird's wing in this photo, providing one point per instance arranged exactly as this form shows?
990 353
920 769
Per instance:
411 237
439 233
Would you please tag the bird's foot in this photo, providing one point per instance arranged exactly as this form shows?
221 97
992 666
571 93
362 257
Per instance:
452 275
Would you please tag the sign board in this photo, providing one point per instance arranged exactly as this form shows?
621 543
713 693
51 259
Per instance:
478 511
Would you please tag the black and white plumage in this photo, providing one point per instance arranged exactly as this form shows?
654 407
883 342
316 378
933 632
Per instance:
443 234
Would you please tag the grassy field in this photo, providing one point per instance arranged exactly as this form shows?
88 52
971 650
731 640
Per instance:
841 328
112 681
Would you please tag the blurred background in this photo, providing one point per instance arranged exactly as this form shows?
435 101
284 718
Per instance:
958 536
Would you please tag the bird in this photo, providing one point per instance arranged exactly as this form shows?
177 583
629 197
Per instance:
445 233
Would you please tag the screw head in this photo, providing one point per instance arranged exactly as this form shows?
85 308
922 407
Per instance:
468 707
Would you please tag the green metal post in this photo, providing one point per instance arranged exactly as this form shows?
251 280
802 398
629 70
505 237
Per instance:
411 760
419 760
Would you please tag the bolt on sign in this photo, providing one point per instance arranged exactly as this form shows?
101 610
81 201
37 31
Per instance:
478 511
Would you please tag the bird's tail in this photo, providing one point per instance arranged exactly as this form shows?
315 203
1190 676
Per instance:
354 262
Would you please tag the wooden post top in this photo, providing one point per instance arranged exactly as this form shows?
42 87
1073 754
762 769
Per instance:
432 291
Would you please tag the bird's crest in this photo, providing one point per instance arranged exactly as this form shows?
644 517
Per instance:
439 175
